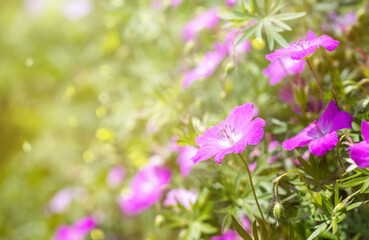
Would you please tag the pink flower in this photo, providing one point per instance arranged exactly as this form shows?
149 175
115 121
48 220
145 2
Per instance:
228 235
77 231
278 70
115 176
184 159
231 135
146 189
231 39
61 200
208 19
77 9
303 48
321 135
272 146
230 3
175 3
340 23
206 67
359 152
182 196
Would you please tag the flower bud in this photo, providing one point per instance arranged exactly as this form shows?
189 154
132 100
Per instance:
278 210
340 208
159 219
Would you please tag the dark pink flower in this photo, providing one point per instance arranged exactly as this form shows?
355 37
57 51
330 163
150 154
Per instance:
77 231
206 67
359 152
147 188
230 3
304 47
182 196
231 135
228 235
115 176
278 70
321 135
208 19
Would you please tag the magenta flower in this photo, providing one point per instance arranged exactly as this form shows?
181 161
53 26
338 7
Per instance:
303 48
359 152
230 3
115 176
278 70
184 159
147 188
182 196
231 135
321 135
208 19
228 235
206 67
77 231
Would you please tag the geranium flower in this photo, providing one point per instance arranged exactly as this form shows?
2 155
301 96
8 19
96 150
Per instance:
182 196
231 135
208 19
77 231
206 67
115 176
146 189
278 70
304 47
359 152
321 135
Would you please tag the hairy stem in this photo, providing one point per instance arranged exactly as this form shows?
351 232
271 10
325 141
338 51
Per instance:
252 186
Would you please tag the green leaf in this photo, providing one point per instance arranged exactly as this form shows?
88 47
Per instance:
279 39
282 24
334 225
248 32
208 228
354 182
336 194
276 7
317 232
289 16
355 205
266 6
256 7
228 15
327 206
365 186
291 235
255 231
240 229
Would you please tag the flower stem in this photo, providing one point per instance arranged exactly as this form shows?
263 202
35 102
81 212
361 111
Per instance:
316 78
252 186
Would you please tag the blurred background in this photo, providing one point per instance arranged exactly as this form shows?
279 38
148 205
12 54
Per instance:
86 87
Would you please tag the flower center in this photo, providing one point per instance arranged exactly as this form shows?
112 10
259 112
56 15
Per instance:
226 133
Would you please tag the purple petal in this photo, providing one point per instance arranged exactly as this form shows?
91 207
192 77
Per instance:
321 146
342 120
241 116
360 154
325 41
300 54
310 35
300 140
326 119
254 131
231 3
365 130
278 54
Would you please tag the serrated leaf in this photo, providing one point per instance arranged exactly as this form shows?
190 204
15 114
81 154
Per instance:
240 229
289 16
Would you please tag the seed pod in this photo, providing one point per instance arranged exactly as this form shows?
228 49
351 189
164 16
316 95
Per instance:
278 210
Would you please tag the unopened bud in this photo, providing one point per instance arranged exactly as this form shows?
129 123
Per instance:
340 207
159 219
278 210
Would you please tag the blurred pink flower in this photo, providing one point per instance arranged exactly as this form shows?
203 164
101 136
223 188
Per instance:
182 196
230 3
61 200
359 152
76 9
206 67
338 23
278 70
184 159
304 47
77 231
208 19
321 135
272 146
304 156
115 176
230 41
175 3
228 235
146 189
231 135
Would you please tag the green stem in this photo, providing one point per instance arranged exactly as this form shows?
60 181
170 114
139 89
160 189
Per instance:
252 186
315 77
